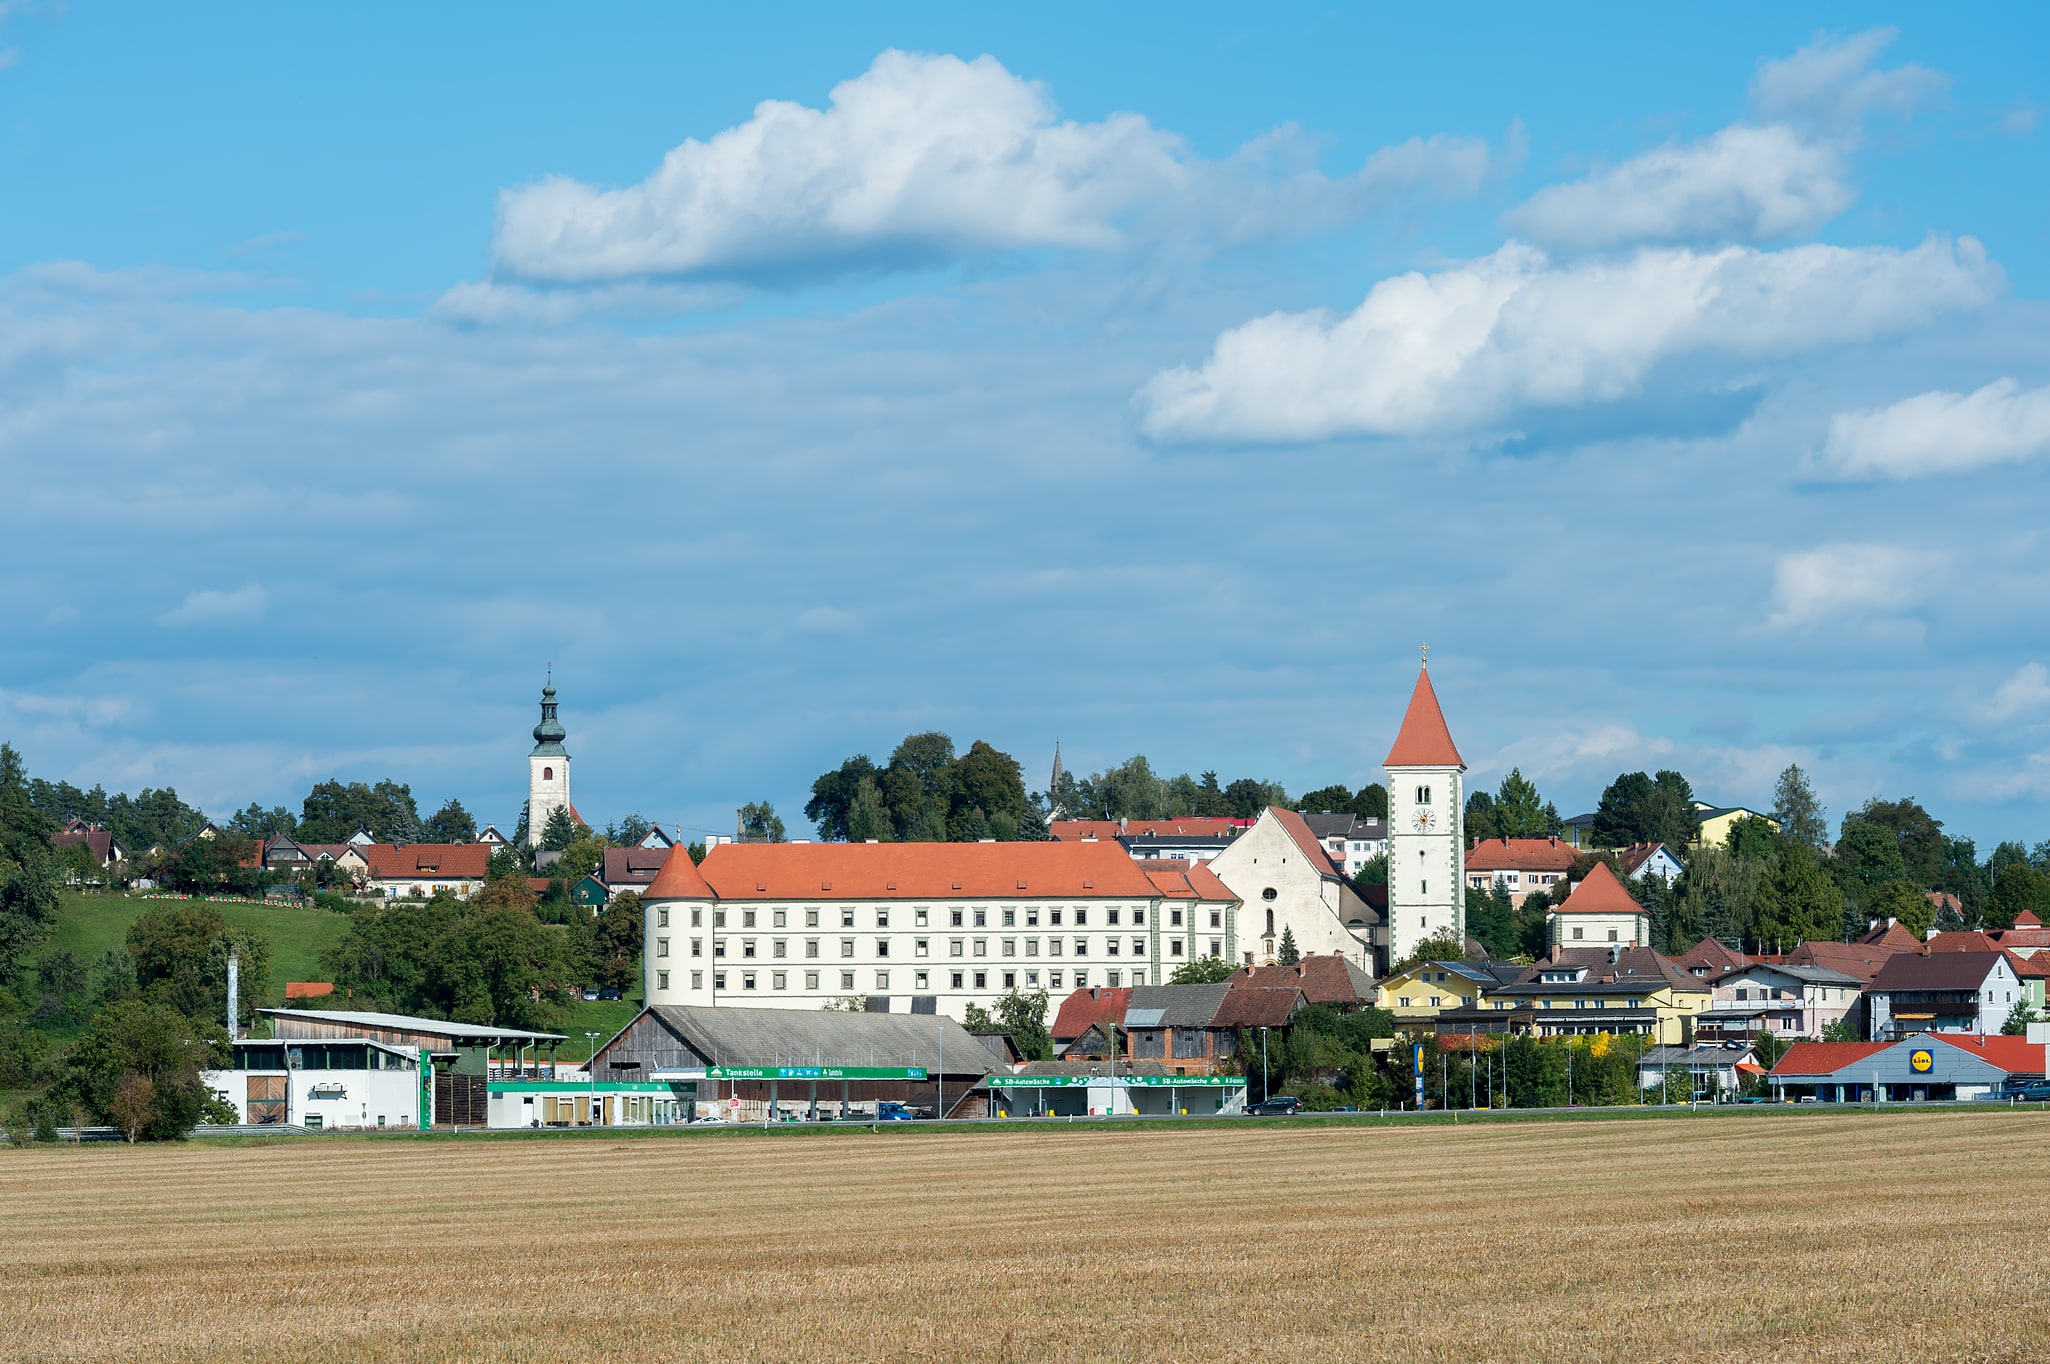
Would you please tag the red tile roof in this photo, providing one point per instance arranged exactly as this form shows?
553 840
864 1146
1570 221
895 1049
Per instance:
1859 959
1599 892
1636 855
1825 1058
308 989
1298 829
1257 1006
2027 919
1423 740
1181 881
1892 936
1070 830
679 879
1966 940
1519 854
429 861
1711 953
2015 1055
1084 1009
1323 979
919 871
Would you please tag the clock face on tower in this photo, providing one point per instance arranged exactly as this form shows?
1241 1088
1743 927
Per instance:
1424 819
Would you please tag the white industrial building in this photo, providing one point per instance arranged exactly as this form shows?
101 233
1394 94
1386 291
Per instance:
330 1083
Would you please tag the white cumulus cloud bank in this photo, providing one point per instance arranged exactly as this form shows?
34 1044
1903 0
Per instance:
2024 693
925 158
217 608
1744 182
1940 433
1838 582
1781 174
1469 347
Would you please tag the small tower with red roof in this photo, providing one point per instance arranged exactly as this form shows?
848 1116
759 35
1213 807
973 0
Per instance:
1426 827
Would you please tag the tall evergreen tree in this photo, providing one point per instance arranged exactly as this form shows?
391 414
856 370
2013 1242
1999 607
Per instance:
1287 954
1800 815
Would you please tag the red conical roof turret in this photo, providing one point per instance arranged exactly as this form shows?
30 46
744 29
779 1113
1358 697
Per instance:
1424 741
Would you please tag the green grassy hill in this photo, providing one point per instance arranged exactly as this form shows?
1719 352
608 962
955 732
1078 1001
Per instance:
91 924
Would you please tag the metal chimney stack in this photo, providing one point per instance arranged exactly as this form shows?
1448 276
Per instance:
234 991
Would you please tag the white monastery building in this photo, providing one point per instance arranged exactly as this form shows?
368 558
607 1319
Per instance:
919 927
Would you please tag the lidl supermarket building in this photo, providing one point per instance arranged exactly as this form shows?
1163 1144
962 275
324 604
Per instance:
1926 1066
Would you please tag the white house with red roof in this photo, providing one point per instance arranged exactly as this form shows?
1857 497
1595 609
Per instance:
1288 887
1426 828
1518 865
1598 913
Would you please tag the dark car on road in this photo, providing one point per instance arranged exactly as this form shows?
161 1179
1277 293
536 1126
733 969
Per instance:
2029 1091
1277 1106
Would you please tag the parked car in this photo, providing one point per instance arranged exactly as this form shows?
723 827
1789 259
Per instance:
1275 1106
889 1110
1756 1099
608 994
2030 1091
590 994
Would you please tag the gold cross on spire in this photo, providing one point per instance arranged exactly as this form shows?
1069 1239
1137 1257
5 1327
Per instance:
1425 650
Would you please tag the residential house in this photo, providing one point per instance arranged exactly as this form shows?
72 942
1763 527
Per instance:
419 870
1590 990
1349 841
1640 860
1712 822
1862 958
1288 886
1598 911
1924 1066
1111 830
1578 832
1175 847
1334 980
1428 989
1518 865
1715 1068
1968 992
2026 938
1709 958
632 868
101 845
492 838
1774 997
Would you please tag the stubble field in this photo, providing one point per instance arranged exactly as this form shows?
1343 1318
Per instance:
1810 1237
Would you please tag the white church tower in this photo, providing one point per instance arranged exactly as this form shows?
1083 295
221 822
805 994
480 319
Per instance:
1426 827
547 770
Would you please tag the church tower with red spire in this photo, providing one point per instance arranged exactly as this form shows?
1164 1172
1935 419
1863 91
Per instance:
1426 827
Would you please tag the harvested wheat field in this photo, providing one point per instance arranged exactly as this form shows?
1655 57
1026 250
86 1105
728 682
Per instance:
1782 1237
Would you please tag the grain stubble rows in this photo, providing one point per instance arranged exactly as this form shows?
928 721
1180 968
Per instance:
1825 1238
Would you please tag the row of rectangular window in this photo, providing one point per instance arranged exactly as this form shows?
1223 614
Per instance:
920 980
956 918
921 947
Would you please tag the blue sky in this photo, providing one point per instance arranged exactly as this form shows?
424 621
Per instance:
1156 383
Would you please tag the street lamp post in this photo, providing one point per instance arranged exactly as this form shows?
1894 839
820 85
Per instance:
591 1071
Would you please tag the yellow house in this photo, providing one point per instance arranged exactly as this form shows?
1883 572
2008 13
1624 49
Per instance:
1591 991
1427 989
1712 822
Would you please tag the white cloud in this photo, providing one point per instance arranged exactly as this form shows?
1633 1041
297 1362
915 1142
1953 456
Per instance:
1940 433
2027 691
1832 582
1744 182
217 608
1779 175
2019 120
922 159
1468 347
1831 84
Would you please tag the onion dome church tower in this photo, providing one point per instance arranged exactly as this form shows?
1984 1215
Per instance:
1426 827
547 769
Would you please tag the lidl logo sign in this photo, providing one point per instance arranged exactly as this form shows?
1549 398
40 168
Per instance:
1920 1059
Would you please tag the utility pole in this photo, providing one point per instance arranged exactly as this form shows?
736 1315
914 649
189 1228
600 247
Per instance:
591 1070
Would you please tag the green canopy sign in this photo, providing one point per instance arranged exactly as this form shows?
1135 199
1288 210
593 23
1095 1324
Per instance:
816 1073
